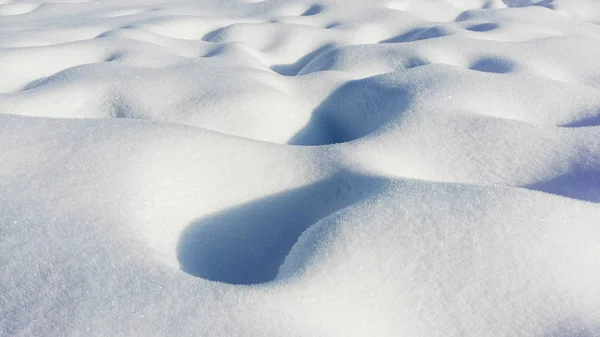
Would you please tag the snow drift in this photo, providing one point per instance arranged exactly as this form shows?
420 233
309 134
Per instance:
300 168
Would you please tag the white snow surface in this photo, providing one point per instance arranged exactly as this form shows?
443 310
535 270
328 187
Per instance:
406 168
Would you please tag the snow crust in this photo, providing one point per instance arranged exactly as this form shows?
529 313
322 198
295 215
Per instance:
300 168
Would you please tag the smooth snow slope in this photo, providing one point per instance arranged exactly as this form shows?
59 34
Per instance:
155 178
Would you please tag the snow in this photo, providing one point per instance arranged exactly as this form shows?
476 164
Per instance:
300 168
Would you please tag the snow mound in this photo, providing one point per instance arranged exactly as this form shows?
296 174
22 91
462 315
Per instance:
300 168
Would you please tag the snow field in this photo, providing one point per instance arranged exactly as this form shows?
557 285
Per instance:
298 168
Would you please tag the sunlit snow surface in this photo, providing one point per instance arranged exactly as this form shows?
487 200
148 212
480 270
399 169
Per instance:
155 178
